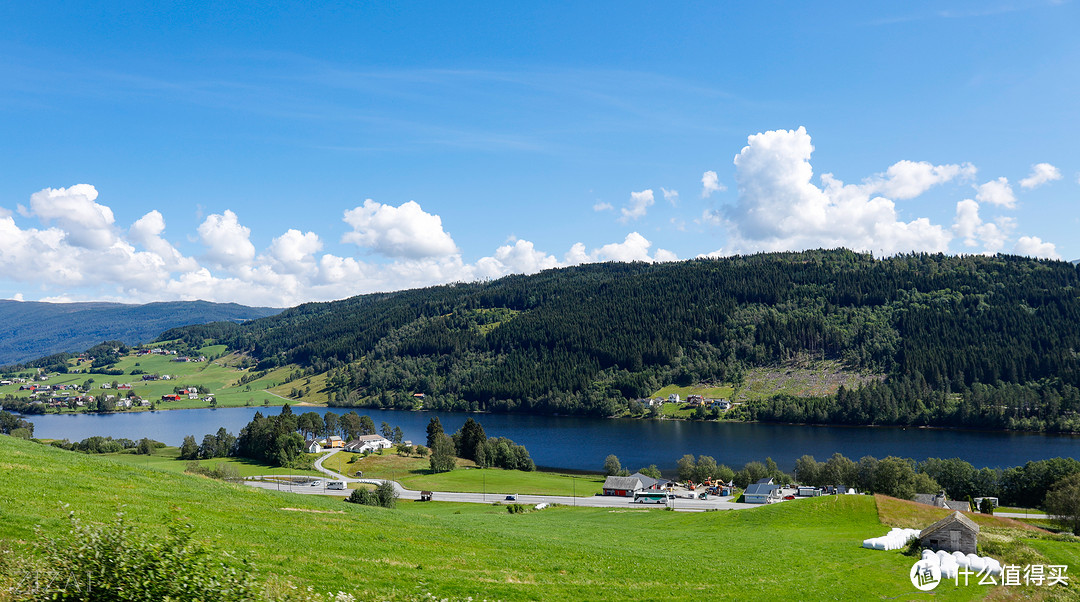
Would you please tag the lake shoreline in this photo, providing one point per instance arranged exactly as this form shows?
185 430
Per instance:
308 407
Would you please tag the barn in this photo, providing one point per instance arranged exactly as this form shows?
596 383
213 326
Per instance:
954 533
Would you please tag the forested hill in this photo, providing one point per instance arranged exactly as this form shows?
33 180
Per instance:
587 338
30 329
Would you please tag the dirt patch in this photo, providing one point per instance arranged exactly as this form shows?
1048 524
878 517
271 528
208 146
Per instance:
801 379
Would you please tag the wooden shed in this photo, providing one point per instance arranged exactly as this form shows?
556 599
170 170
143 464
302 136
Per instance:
954 533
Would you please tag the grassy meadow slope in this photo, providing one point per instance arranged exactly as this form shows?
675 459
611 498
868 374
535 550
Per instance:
460 550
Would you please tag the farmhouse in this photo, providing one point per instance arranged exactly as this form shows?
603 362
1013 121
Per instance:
313 446
368 443
954 533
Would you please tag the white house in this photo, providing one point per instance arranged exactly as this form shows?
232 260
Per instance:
312 446
368 443
762 492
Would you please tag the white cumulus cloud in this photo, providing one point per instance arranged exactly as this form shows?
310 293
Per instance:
85 222
406 231
638 205
779 207
1041 173
671 196
969 226
909 179
997 192
295 251
522 257
602 206
147 231
228 243
1033 246
710 183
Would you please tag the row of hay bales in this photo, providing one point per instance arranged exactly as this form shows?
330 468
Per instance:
950 564
895 539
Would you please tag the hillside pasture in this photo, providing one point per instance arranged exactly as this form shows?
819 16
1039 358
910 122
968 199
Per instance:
456 551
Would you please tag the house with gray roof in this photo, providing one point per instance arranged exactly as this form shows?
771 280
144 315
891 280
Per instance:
941 501
762 492
623 486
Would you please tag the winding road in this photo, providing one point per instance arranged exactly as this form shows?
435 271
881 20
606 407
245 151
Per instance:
597 501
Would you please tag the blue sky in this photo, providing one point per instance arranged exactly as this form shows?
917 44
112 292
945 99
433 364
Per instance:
275 155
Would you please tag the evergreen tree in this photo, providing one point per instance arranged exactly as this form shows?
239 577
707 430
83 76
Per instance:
434 429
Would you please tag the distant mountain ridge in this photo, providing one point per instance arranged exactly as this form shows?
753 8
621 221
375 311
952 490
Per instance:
33 329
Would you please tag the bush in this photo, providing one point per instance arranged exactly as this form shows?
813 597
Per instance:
112 562
384 495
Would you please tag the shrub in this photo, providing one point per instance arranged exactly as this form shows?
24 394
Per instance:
112 562
384 495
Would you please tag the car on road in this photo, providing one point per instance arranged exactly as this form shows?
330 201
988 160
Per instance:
511 498
789 497
316 483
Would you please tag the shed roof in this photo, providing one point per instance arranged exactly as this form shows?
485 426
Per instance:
646 481
626 483
954 518
760 489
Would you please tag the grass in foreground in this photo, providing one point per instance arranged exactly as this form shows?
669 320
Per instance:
459 550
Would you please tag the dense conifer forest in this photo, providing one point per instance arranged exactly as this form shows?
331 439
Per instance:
987 341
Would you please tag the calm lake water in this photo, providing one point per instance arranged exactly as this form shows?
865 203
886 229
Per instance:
583 443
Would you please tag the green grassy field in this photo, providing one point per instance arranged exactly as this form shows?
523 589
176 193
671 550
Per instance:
723 392
413 473
166 458
459 550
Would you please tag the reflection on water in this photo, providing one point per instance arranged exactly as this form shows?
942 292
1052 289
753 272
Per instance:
583 443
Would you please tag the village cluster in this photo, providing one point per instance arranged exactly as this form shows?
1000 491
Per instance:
691 401
114 395
363 444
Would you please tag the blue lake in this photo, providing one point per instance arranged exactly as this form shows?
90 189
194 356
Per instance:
583 443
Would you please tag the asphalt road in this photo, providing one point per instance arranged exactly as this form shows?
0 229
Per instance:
596 501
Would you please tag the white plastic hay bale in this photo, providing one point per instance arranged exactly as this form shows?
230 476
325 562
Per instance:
949 570
868 543
879 545
926 554
961 558
941 554
977 564
992 565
